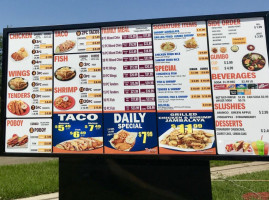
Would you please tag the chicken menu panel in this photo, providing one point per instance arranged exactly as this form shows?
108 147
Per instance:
77 114
140 89
239 64
184 104
128 90
29 91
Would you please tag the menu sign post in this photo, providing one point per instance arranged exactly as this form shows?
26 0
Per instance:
138 95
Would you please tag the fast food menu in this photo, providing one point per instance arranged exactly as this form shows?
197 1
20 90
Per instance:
77 119
28 135
239 65
77 41
184 104
29 91
128 90
104 90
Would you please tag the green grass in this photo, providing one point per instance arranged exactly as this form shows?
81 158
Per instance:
223 190
25 180
217 163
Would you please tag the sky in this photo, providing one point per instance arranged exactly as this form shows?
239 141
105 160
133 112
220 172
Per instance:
25 13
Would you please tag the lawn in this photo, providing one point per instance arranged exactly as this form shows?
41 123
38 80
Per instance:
18 181
24 180
231 188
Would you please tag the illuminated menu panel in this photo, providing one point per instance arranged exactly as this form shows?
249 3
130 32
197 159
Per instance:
239 65
184 104
128 90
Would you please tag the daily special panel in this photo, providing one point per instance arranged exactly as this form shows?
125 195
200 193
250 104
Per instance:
77 114
184 105
29 91
239 64
128 89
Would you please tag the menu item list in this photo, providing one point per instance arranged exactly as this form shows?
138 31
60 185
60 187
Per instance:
184 104
239 64
128 90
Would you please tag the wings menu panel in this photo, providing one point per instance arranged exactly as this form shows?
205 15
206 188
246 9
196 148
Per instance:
29 86
185 116
197 87
239 64
128 90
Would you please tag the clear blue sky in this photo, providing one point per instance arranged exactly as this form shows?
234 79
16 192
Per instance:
21 13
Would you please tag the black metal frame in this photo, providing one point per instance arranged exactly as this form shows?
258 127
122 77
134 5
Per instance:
6 31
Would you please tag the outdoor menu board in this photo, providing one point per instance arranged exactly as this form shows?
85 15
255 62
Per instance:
194 87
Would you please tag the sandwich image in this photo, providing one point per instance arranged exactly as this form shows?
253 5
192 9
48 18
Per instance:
13 141
23 140
17 141
81 144
238 145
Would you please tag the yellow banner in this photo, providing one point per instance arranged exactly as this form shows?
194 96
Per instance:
44 136
44 150
94 81
41 143
45 101
95 107
93 49
45 89
207 104
92 42
94 95
45 78
45 112
45 67
89 37
45 46
193 72
239 40
45 56
201 34
94 69
195 88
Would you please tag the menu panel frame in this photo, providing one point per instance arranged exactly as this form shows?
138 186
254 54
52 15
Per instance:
265 15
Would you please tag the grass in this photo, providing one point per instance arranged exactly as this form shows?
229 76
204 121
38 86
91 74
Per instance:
25 180
217 163
230 189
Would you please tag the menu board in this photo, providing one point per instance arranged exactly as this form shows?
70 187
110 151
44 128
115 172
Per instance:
166 87
239 64
184 105
77 114
128 90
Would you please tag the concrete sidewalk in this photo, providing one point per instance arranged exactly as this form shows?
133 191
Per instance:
22 160
216 172
236 169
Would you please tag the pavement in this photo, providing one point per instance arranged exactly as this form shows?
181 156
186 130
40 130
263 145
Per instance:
237 169
216 172
22 160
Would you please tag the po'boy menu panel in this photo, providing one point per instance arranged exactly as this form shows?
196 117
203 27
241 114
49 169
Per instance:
28 135
77 41
29 75
239 64
184 105
77 83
